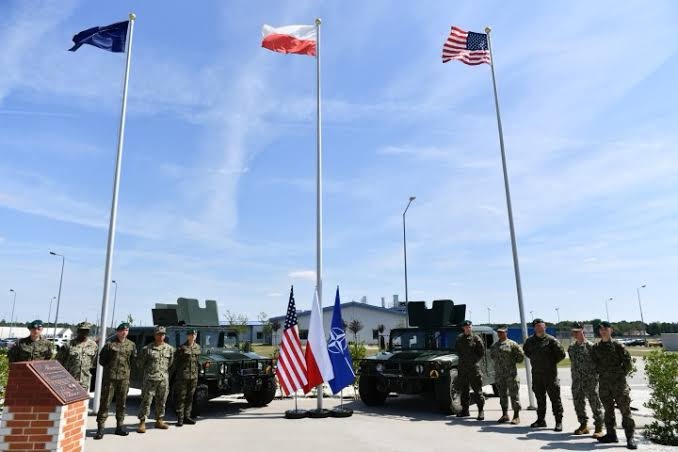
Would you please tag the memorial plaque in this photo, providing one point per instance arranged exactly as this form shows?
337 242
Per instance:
59 381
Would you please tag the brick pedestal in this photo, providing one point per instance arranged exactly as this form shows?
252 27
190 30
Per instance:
45 409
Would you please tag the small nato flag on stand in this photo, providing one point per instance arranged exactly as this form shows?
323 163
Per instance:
111 37
339 354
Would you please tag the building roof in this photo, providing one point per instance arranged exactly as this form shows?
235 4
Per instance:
351 304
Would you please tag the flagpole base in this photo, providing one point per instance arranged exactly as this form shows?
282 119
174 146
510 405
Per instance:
319 413
296 414
341 412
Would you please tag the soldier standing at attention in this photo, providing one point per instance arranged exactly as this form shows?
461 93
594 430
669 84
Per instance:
584 383
471 350
117 358
506 354
545 352
186 367
613 363
31 348
79 356
155 361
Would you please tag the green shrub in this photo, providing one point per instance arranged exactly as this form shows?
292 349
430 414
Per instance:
4 372
662 374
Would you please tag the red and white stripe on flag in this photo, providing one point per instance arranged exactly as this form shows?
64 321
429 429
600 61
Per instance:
299 39
318 364
291 368
468 47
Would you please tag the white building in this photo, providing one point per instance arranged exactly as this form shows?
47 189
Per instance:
20 331
370 317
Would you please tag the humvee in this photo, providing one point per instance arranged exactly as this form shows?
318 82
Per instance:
224 368
421 359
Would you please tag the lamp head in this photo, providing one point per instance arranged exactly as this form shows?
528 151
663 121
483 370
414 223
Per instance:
412 198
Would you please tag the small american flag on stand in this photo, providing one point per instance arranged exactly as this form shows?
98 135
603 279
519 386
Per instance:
466 46
291 369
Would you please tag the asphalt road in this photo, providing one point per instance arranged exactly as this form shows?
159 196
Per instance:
405 423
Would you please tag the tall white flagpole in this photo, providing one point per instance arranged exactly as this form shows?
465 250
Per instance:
514 247
319 192
114 214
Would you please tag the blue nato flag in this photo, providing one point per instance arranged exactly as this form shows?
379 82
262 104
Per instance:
339 353
110 37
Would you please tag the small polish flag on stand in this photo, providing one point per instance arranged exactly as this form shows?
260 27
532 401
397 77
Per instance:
299 39
318 363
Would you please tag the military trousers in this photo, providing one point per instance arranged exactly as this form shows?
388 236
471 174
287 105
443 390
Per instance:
153 389
619 392
508 387
472 379
587 389
183 396
110 388
543 384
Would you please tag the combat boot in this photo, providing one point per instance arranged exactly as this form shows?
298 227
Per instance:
189 420
142 426
631 443
504 417
100 431
464 412
120 430
582 430
610 437
559 426
160 424
538 423
180 421
598 432
516 418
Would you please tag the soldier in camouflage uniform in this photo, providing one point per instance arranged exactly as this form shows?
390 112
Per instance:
470 349
506 354
79 356
613 363
155 360
31 348
545 352
584 383
117 358
186 367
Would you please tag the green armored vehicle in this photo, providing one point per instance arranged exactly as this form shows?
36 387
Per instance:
224 369
421 359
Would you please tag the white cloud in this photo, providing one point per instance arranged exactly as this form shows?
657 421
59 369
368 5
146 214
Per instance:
306 275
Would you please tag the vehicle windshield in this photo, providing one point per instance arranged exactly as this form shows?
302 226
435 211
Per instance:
419 339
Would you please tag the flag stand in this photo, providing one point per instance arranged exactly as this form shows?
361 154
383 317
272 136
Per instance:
340 411
296 413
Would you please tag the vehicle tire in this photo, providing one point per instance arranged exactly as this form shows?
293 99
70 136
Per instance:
262 397
369 394
200 399
447 397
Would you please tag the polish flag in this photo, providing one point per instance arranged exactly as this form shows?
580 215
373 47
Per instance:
318 363
300 39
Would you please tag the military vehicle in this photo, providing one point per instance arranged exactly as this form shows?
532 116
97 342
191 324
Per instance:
224 368
421 359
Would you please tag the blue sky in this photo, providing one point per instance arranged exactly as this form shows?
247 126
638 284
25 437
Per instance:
217 194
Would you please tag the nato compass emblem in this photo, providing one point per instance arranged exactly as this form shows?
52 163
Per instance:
337 343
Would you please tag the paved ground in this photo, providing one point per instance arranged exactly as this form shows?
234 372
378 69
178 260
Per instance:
405 423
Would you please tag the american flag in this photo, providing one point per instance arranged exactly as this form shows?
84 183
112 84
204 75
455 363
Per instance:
467 47
291 363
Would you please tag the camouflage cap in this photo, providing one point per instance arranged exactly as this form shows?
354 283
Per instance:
84 326
502 328
34 324
160 330
605 324
122 326
576 326
192 331
466 323
537 320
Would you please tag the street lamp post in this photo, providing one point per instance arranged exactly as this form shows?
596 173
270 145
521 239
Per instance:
488 315
11 318
115 297
407 298
470 317
532 314
49 315
607 309
640 305
558 314
61 280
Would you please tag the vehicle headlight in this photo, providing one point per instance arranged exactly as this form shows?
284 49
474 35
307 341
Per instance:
419 368
260 365
222 369
380 367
